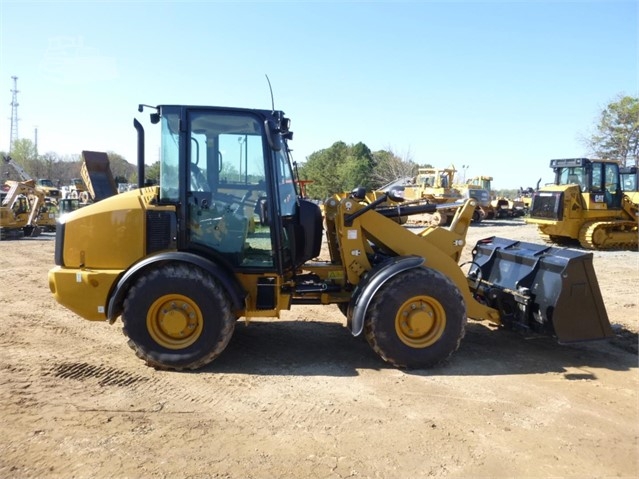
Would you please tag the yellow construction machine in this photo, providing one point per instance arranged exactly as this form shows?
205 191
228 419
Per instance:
524 196
630 182
48 215
96 182
586 204
21 205
179 264
96 176
51 192
76 190
476 188
500 206
435 186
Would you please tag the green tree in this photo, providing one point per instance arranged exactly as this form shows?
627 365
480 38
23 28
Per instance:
339 168
152 172
357 168
120 167
616 136
23 153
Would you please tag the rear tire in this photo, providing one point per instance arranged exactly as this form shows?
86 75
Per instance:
177 317
416 319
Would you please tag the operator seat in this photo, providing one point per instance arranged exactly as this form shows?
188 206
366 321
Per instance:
198 179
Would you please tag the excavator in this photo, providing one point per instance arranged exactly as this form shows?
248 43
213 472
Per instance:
19 210
179 264
46 186
586 206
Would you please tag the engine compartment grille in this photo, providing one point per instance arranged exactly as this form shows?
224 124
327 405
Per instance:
547 206
161 231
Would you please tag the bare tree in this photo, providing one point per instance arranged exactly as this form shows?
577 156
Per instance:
390 166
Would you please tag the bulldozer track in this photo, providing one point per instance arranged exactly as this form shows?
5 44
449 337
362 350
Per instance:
604 235
554 240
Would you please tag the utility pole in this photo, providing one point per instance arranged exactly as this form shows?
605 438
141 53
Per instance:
14 113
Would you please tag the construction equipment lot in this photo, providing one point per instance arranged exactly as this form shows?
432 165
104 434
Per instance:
301 397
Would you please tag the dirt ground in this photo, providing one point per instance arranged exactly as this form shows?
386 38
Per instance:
300 397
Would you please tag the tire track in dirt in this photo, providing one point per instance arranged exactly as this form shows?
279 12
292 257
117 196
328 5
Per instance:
106 376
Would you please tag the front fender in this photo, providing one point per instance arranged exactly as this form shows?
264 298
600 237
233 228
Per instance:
233 288
370 284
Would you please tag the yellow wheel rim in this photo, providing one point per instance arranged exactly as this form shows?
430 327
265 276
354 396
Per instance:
420 322
174 321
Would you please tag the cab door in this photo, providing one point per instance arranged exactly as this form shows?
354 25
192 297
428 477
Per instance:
612 186
228 182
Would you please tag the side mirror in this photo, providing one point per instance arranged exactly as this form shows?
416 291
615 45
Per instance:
272 135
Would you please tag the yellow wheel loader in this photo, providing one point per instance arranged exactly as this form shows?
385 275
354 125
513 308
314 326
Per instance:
586 205
179 264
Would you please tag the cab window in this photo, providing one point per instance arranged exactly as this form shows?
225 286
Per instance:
227 190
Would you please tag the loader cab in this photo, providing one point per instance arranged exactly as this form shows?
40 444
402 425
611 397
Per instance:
598 179
228 171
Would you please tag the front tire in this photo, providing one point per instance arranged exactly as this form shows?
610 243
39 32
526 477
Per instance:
416 319
177 317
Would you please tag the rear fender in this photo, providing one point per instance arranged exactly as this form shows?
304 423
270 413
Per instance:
370 284
232 287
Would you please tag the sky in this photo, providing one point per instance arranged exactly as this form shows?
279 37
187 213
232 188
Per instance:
494 88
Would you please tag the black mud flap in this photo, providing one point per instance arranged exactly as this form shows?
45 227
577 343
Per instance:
540 288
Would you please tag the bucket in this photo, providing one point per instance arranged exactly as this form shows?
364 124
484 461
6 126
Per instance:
545 289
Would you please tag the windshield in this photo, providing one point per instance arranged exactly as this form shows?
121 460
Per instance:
573 176
286 183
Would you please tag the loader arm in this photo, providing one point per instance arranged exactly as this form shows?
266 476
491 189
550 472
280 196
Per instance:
440 247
